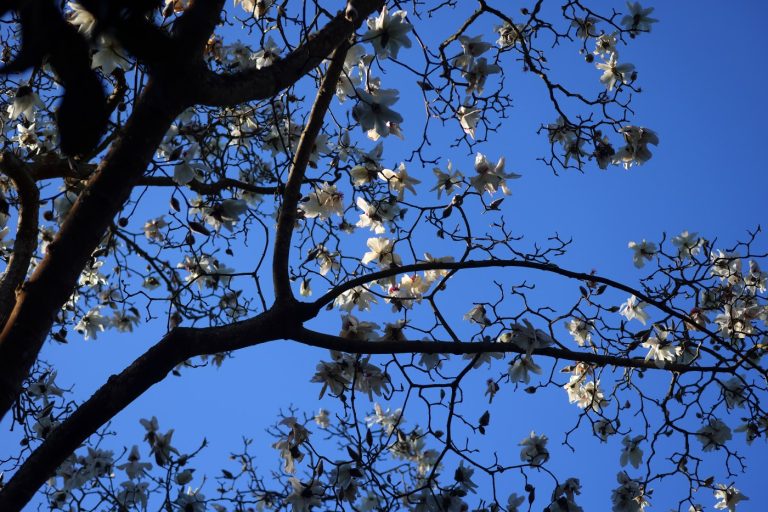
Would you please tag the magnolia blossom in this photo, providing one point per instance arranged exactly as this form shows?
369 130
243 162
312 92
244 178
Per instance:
471 47
642 251
629 496
491 178
511 35
520 370
358 297
267 55
399 181
514 502
373 113
688 244
92 323
80 17
534 451
322 419
634 310
376 213
729 497
388 33
477 315
636 150
134 468
637 20
631 453
614 72
257 8
383 250
581 330
322 202
585 27
354 329
603 428
478 74
109 56
713 435
385 418
661 350
468 119
605 45
591 396
446 181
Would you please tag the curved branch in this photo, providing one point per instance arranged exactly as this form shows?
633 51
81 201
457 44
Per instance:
321 340
229 89
26 233
292 194
120 390
314 307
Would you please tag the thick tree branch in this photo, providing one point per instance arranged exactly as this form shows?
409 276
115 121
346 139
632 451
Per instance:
230 89
292 193
122 389
321 340
26 232
54 279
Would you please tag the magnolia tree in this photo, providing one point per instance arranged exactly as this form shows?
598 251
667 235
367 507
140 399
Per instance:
220 172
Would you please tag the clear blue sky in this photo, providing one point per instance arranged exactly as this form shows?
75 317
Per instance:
702 72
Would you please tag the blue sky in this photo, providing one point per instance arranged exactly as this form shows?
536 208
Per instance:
702 74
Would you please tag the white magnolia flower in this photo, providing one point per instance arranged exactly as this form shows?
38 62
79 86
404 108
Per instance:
354 329
399 181
388 33
526 336
603 428
510 35
688 244
375 214
591 396
661 350
614 72
642 251
153 228
133 494
514 501
585 27
632 309
520 370
477 315
45 387
358 296
322 202
491 178
729 497
637 20
636 151
257 8
267 55
387 419
24 104
629 496
468 119
134 468
383 250
534 449
471 47
581 330
81 18
322 419
463 477
109 56
92 323
713 435
327 260
191 501
446 181
631 453
373 113
605 45
478 74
